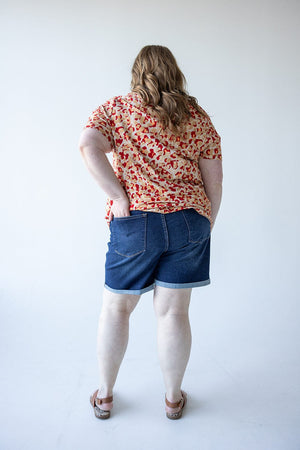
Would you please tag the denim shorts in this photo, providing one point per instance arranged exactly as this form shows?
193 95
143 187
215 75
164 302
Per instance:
149 248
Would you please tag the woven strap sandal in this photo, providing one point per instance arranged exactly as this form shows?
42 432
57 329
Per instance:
106 403
174 410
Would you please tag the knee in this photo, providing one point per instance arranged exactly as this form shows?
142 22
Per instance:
171 302
120 305
117 309
163 311
170 308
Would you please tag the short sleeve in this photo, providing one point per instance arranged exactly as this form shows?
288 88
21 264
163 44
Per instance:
100 120
211 148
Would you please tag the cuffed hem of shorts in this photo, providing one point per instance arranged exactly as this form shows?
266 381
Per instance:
130 291
182 285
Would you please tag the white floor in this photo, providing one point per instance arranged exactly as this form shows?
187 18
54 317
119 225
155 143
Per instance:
240 394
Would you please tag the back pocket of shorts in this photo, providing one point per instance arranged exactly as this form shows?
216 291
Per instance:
129 234
198 226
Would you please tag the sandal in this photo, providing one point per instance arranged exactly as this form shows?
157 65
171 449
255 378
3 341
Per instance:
174 410
99 412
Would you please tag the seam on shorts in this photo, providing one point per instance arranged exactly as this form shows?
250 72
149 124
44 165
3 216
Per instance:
164 225
189 230
130 256
144 241
130 217
182 285
185 219
130 291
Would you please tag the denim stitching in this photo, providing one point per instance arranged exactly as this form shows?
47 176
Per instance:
190 239
145 232
164 225
130 217
183 285
131 291
144 239
130 256
187 225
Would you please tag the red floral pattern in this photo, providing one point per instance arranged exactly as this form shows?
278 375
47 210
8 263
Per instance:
158 170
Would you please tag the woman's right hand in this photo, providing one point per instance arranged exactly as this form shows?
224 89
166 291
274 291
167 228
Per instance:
120 208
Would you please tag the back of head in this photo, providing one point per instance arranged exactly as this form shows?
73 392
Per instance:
161 84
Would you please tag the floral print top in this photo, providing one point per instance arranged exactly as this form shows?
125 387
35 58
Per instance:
158 170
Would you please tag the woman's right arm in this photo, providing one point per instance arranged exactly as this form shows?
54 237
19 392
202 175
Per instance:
212 176
93 147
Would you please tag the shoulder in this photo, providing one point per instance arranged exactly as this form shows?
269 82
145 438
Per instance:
119 105
198 112
200 117
117 100
115 105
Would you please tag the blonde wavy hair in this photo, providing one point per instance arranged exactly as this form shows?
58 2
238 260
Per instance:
157 78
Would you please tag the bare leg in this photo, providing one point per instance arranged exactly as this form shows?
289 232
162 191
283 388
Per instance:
112 337
174 336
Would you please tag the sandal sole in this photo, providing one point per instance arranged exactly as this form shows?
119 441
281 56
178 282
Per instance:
99 413
178 415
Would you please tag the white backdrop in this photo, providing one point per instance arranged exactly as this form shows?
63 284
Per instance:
60 60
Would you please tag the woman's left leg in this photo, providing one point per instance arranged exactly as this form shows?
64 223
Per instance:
112 337
174 336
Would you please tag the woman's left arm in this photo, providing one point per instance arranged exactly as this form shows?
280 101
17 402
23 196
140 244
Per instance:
93 147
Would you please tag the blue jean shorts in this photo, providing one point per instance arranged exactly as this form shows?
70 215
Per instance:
149 248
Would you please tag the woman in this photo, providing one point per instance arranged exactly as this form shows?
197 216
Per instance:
164 193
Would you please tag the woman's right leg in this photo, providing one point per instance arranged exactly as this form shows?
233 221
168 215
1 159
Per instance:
112 337
174 336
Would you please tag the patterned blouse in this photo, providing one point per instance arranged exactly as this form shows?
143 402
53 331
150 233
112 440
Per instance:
158 170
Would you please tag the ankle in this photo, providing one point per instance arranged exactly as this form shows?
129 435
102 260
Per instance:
104 392
174 396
